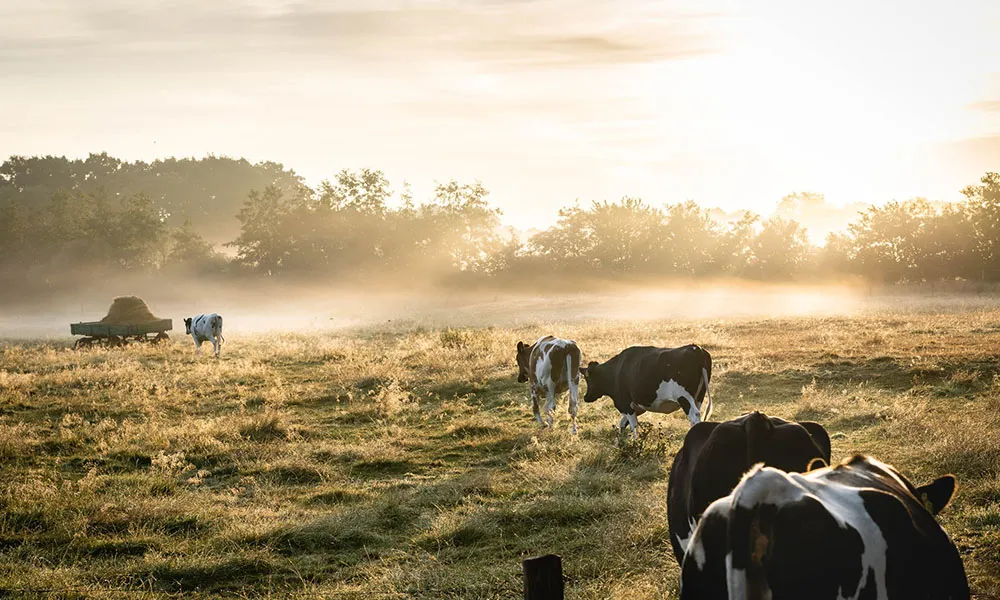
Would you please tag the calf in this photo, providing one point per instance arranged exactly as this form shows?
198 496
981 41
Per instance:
552 365
645 378
715 456
856 530
205 328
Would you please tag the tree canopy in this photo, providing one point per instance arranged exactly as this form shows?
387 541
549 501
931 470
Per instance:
219 214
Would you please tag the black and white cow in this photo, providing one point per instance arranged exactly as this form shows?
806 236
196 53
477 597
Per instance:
205 328
646 378
857 530
715 456
552 365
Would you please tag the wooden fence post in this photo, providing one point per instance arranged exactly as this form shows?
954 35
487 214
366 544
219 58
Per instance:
543 578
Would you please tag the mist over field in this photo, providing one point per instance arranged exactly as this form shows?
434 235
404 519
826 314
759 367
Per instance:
267 307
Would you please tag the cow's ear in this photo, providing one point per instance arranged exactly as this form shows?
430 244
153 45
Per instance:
520 346
936 495
583 371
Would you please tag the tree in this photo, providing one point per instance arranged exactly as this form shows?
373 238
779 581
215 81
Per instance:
189 250
948 245
779 249
260 245
984 212
463 223
734 247
886 241
141 234
688 239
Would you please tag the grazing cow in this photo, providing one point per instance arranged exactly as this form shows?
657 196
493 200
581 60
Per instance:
553 366
715 456
857 530
205 328
645 378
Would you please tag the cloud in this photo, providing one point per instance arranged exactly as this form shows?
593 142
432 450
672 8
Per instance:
987 106
62 35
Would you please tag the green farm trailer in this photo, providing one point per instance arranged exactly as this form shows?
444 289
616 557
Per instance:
106 334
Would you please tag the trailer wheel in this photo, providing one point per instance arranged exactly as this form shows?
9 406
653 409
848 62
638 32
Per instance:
114 341
161 337
83 343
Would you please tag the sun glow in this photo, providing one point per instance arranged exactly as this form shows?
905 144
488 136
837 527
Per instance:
732 104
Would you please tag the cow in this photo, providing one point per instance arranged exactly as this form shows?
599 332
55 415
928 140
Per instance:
646 378
205 328
714 456
552 365
856 530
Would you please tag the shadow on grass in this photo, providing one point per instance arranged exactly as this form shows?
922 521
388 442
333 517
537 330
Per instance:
881 372
227 575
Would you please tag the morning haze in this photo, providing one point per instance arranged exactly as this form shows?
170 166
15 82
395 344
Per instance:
730 104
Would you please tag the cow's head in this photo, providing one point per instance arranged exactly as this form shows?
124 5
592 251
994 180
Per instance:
523 356
187 326
592 375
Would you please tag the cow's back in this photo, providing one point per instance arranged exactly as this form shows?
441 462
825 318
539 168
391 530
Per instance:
714 456
563 358
836 532
683 365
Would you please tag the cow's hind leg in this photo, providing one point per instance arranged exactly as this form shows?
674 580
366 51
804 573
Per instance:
634 424
550 405
215 346
534 406
623 422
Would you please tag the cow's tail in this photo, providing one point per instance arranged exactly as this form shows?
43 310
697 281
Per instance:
217 325
707 413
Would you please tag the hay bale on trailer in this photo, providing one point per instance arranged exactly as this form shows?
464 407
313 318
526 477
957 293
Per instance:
128 320
129 310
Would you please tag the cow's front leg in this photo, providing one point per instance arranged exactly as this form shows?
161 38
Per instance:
534 406
197 347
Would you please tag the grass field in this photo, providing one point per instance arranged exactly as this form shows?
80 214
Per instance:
399 461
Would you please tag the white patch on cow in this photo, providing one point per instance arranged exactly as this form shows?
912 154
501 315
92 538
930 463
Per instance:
697 554
696 549
844 503
666 400
736 580
683 542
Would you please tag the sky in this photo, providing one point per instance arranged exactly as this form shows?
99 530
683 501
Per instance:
546 102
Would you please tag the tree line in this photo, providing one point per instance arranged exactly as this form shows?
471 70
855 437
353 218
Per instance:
59 215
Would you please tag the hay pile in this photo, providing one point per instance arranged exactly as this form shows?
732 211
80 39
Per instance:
129 310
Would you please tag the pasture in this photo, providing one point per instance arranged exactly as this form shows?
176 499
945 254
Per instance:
403 461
